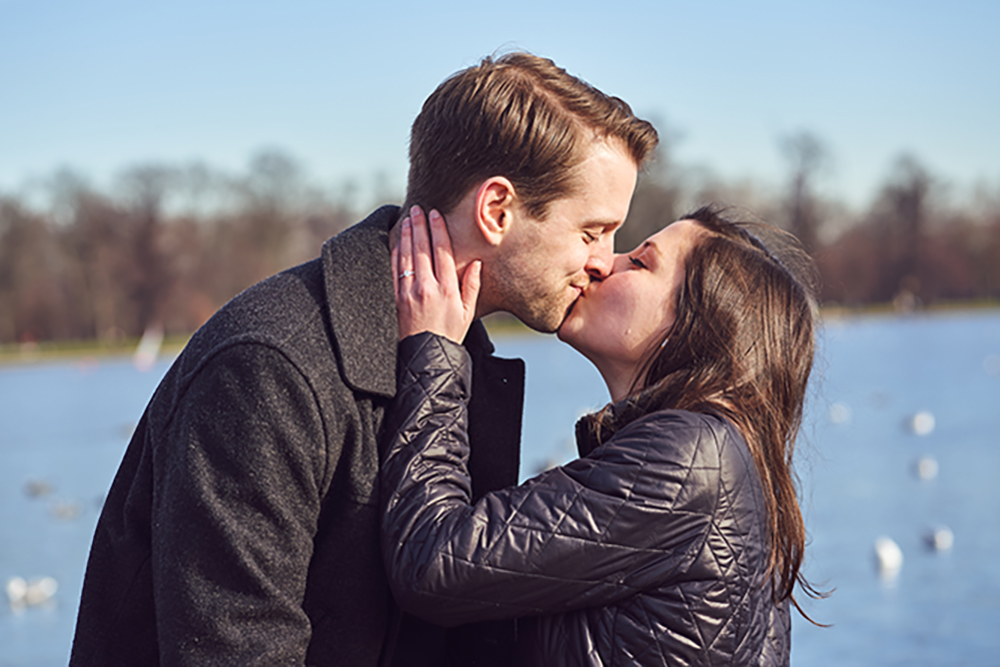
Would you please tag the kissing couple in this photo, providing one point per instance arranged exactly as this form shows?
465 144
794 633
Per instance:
327 475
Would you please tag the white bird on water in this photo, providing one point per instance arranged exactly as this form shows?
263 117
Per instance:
921 423
21 593
926 467
939 539
888 557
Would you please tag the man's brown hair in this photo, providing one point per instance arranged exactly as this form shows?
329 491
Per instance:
518 116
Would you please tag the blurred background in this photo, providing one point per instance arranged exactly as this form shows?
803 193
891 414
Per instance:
157 158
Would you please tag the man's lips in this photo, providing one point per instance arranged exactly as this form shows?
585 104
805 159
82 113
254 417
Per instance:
579 295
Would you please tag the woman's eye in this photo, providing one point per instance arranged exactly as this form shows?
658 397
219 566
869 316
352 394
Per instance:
588 237
637 262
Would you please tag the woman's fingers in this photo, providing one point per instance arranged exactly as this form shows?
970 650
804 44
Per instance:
428 297
394 263
402 256
422 263
471 282
405 269
444 260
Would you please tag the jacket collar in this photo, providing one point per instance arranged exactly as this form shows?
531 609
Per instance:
362 310
595 429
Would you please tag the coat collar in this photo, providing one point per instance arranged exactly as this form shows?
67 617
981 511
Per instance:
362 309
357 272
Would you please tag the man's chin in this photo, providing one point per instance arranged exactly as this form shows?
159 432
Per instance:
549 321
538 322
569 311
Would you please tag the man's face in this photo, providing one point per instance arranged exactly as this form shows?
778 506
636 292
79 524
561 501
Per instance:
542 266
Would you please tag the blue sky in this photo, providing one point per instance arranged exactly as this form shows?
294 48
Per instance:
99 85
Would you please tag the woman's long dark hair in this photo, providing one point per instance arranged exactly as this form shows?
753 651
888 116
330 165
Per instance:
742 346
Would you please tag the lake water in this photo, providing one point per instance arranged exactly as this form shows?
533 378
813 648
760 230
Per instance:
65 427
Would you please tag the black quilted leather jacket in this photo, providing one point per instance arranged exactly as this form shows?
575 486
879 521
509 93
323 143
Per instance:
650 549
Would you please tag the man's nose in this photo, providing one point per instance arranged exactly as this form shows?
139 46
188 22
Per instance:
601 261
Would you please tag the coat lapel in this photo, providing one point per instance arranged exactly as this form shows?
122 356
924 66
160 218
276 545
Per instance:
358 276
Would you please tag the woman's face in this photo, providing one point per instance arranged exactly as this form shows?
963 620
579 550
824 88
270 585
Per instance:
617 320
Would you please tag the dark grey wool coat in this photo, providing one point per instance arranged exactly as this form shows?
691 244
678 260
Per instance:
650 549
242 527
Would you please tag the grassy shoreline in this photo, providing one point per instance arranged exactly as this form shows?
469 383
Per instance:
50 351
500 325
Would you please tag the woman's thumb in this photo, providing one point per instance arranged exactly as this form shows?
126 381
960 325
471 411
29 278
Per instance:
470 285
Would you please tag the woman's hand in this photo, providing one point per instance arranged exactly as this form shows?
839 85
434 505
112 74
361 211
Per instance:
428 297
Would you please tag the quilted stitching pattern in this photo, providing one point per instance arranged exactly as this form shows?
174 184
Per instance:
650 550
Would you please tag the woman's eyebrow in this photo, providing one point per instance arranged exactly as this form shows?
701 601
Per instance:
649 244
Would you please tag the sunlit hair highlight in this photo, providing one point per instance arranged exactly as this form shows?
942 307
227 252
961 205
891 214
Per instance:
518 116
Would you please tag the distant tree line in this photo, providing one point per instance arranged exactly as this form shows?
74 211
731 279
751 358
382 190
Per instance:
166 249
909 248
169 245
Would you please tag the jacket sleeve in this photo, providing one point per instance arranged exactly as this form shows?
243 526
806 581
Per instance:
235 507
587 534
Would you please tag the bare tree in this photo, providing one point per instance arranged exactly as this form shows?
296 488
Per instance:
97 248
146 187
900 217
28 287
656 203
806 155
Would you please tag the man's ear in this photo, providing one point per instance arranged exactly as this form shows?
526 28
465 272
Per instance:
494 205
